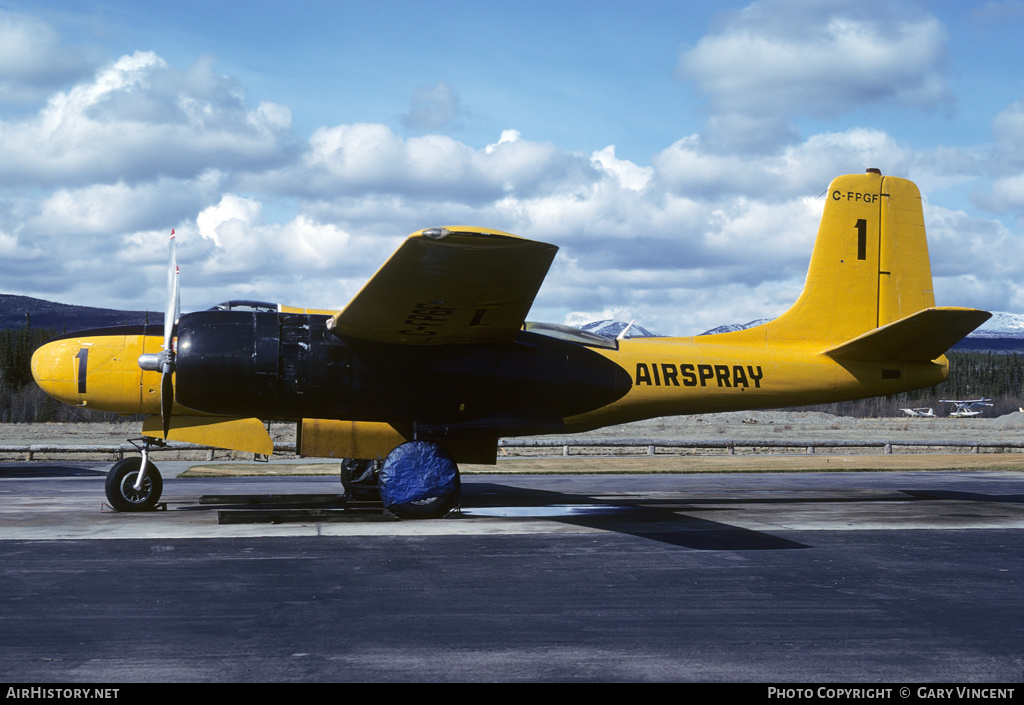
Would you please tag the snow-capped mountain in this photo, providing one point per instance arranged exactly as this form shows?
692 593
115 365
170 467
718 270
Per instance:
611 329
1001 325
729 328
1004 332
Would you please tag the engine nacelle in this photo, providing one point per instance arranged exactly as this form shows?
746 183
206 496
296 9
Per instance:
285 365
257 363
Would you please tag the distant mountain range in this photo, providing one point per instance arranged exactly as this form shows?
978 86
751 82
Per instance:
16 310
729 328
612 329
1004 332
1001 325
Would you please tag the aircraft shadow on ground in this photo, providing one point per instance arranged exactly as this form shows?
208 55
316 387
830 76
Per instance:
666 520
661 520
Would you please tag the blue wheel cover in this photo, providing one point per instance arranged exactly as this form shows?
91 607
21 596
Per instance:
417 470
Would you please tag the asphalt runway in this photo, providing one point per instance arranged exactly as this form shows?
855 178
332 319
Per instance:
773 578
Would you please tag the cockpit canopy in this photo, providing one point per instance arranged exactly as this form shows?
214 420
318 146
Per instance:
246 305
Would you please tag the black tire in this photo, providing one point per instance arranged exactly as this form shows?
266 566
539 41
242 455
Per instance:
359 478
120 491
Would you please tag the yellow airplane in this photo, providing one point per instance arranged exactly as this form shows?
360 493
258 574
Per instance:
433 360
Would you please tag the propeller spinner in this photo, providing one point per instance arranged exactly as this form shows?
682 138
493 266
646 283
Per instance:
163 361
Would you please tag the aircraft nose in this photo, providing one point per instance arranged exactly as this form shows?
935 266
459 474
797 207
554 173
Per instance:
99 369
55 370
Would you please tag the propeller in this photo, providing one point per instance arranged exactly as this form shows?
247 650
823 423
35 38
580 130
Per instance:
163 361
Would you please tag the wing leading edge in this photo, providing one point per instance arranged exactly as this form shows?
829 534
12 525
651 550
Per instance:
449 285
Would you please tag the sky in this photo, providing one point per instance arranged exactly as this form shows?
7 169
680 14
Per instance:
677 153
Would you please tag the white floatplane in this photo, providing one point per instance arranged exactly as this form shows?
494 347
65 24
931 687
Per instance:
924 411
965 408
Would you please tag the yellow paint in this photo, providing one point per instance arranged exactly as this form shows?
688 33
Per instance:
689 376
114 381
329 438
247 435
461 288
298 309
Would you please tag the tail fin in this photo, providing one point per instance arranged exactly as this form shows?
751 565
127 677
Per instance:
870 263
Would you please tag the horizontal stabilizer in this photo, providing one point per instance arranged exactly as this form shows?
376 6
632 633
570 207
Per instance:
920 337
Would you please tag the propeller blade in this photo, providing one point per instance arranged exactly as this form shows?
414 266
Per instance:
172 312
166 400
163 361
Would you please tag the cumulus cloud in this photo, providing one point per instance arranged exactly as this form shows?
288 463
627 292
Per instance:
138 119
366 159
120 207
775 60
629 175
692 241
688 167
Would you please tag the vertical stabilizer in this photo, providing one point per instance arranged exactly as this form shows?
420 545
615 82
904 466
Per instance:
870 262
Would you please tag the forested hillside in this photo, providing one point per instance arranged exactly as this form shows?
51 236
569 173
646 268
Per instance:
973 374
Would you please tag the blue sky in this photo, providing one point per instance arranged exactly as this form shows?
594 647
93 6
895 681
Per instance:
661 145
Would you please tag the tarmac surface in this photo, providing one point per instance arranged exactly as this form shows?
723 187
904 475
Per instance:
891 577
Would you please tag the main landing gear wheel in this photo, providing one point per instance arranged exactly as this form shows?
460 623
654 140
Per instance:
419 480
359 478
120 486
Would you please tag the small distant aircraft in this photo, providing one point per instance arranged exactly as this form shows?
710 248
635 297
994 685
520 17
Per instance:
433 360
925 411
965 408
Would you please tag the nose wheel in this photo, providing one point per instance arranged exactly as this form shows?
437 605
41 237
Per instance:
124 491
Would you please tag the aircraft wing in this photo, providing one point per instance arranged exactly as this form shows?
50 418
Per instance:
247 435
449 285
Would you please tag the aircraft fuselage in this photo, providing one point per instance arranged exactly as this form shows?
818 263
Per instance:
289 366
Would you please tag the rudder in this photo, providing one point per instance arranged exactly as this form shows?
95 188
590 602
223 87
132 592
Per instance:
905 272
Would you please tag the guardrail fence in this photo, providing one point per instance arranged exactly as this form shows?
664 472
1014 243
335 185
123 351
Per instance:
117 451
